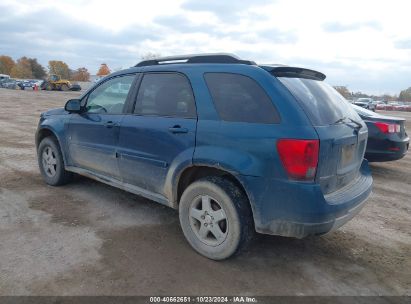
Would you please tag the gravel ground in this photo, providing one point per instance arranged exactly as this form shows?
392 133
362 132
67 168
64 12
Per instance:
88 238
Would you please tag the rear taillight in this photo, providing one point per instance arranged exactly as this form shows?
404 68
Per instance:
388 127
299 157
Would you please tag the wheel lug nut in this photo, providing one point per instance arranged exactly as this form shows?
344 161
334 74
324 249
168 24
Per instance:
202 217
205 224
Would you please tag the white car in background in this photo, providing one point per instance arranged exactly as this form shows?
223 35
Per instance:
366 103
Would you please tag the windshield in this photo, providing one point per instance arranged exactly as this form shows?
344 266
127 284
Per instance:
322 103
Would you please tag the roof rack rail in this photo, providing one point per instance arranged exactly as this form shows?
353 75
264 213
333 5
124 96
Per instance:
196 58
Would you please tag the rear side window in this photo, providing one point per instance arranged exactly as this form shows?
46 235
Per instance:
240 98
321 102
165 94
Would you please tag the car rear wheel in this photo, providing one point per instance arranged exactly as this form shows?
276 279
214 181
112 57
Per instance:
51 163
216 218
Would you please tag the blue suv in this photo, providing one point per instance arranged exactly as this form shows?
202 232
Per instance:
236 147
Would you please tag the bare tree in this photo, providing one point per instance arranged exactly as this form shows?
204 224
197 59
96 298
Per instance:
343 90
81 74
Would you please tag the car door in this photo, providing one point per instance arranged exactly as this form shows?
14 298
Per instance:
93 133
160 130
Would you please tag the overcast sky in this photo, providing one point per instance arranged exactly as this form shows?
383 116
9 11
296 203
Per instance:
365 45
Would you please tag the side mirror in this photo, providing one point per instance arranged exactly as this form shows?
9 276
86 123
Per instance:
73 106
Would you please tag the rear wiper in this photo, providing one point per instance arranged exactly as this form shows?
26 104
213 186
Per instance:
342 119
359 125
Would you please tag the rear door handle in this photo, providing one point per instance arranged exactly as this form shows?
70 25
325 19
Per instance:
110 124
177 129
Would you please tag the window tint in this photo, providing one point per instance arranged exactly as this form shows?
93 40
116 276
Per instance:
240 98
321 102
165 94
110 96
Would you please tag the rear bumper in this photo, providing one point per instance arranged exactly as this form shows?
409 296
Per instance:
297 210
386 150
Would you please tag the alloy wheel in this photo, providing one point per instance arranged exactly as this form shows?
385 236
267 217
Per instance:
208 220
49 160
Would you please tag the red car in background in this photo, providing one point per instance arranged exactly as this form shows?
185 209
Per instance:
381 106
391 106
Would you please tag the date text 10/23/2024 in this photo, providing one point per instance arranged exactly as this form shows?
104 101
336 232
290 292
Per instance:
204 299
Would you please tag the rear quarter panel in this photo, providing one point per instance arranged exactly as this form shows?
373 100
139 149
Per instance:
245 148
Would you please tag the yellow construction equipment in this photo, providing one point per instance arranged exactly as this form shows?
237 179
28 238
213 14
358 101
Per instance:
55 83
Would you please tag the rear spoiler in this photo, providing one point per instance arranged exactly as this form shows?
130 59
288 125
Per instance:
293 72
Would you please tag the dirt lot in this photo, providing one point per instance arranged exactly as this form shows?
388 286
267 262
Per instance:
87 238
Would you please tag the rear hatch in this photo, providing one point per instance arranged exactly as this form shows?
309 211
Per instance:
342 133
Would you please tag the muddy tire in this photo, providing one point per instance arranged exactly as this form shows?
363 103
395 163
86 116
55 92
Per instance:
51 163
216 218
64 87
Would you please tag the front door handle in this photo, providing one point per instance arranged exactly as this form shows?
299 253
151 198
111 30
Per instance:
177 129
110 124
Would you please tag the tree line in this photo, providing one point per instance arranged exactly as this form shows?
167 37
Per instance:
30 68
404 95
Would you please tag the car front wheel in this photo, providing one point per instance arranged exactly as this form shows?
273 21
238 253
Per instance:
51 163
216 218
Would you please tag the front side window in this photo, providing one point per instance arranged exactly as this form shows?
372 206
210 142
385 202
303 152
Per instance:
240 98
165 94
110 96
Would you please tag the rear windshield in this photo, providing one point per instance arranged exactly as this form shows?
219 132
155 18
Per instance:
367 113
321 102
363 112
